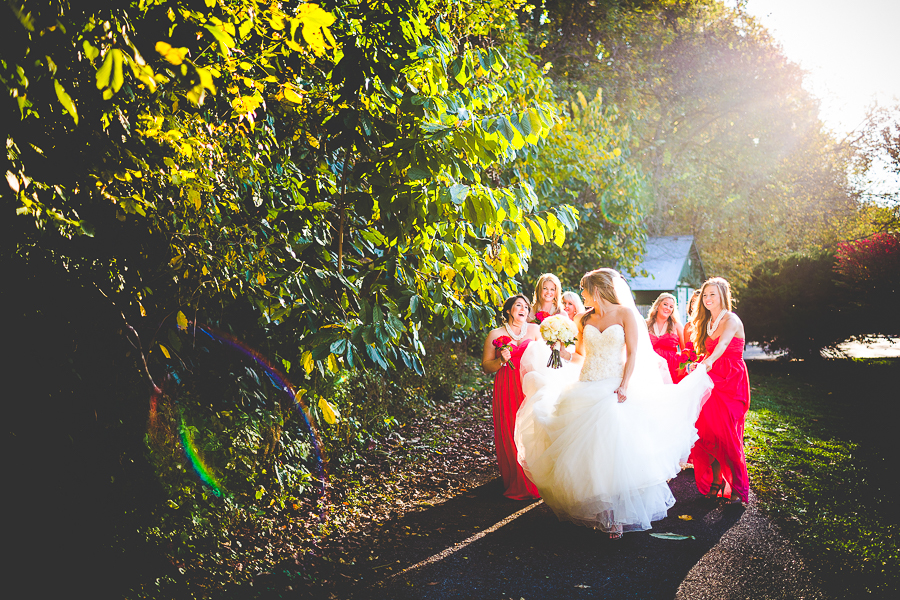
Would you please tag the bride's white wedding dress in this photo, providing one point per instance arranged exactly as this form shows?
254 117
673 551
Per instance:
596 461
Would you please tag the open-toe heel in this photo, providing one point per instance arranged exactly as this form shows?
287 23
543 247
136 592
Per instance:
715 489
734 501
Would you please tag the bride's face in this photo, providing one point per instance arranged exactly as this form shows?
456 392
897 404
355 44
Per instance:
586 296
518 314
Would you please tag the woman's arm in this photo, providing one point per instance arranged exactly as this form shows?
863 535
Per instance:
490 360
731 327
630 325
578 356
680 329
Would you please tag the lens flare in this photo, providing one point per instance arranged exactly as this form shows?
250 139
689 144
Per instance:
200 467
280 380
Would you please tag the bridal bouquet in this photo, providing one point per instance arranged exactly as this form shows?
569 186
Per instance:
558 328
503 343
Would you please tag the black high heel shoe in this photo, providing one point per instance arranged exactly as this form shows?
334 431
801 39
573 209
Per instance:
715 489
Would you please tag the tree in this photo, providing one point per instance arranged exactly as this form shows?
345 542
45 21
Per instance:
326 167
729 140
876 165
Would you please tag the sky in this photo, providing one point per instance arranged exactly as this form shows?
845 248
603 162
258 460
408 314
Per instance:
851 51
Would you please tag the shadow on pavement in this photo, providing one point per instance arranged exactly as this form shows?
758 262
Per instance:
533 555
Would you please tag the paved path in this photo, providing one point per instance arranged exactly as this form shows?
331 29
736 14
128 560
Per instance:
480 545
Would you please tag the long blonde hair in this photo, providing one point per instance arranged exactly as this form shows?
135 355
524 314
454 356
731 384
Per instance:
702 315
654 309
599 283
557 300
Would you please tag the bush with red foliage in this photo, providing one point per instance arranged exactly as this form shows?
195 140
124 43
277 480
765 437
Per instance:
871 268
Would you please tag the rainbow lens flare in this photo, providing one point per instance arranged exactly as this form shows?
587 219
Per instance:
185 439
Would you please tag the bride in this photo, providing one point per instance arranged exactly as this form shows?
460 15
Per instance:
601 448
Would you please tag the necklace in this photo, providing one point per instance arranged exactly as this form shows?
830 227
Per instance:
656 328
515 336
711 325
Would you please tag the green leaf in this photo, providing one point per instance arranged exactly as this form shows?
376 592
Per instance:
458 193
418 174
65 100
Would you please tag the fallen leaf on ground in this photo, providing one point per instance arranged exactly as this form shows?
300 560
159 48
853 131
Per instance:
685 517
671 536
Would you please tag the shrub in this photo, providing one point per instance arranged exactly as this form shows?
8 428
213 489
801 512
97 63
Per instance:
869 270
795 304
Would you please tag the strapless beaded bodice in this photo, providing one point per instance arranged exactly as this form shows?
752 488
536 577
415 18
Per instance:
605 353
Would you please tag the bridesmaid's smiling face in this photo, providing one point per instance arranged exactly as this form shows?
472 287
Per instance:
518 314
548 291
712 299
666 308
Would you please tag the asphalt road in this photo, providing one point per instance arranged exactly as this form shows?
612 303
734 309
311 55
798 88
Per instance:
480 545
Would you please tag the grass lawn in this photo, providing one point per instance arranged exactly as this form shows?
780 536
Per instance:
817 441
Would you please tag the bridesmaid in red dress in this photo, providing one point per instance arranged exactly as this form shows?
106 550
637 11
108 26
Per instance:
503 350
718 456
666 333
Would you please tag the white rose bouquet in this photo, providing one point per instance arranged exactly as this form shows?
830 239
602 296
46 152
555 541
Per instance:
558 328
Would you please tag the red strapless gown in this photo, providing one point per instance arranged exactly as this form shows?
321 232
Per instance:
507 398
721 423
666 346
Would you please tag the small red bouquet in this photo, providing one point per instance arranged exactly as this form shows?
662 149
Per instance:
686 358
503 343
540 316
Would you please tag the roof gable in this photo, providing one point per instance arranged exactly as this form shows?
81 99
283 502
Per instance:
664 260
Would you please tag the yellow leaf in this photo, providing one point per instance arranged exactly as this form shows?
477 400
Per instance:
165 351
329 412
182 321
298 397
175 56
292 96
332 363
307 361
104 71
314 20
66 100
117 78
206 80
686 517
261 279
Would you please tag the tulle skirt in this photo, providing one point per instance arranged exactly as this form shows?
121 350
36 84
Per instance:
601 463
